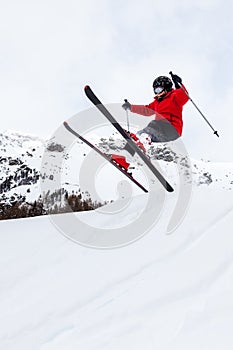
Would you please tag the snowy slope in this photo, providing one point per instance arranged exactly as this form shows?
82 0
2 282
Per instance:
161 292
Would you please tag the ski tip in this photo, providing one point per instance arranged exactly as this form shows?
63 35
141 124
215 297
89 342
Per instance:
169 188
65 122
86 87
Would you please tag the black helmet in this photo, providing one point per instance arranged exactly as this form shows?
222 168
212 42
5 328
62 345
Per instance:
163 82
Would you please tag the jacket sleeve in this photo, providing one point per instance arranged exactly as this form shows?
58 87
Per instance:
146 110
181 96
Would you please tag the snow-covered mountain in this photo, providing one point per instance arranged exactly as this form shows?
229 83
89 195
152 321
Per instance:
22 168
20 157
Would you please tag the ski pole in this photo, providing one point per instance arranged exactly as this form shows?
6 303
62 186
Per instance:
127 116
186 93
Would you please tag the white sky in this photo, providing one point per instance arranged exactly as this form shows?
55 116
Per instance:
49 50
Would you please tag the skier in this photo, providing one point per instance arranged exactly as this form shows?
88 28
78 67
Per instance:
167 107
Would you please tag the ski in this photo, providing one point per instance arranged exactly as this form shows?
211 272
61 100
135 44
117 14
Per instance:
104 155
131 146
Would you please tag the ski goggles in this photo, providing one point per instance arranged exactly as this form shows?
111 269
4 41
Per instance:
158 90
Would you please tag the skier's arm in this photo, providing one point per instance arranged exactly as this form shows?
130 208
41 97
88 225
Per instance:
147 110
181 95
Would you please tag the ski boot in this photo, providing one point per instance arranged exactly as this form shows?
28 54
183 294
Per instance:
138 141
121 162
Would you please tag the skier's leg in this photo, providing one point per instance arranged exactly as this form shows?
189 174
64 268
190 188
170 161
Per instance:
160 131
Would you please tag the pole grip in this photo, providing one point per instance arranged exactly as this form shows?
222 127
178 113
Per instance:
177 82
127 115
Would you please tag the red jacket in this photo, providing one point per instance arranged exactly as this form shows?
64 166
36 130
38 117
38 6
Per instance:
169 108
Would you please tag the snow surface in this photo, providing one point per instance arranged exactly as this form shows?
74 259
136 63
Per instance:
161 292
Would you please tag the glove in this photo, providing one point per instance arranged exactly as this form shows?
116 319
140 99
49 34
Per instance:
126 105
176 80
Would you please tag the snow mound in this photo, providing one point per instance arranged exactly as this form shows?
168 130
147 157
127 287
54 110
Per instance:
162 291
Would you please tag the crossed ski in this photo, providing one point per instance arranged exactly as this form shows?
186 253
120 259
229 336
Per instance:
130 146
